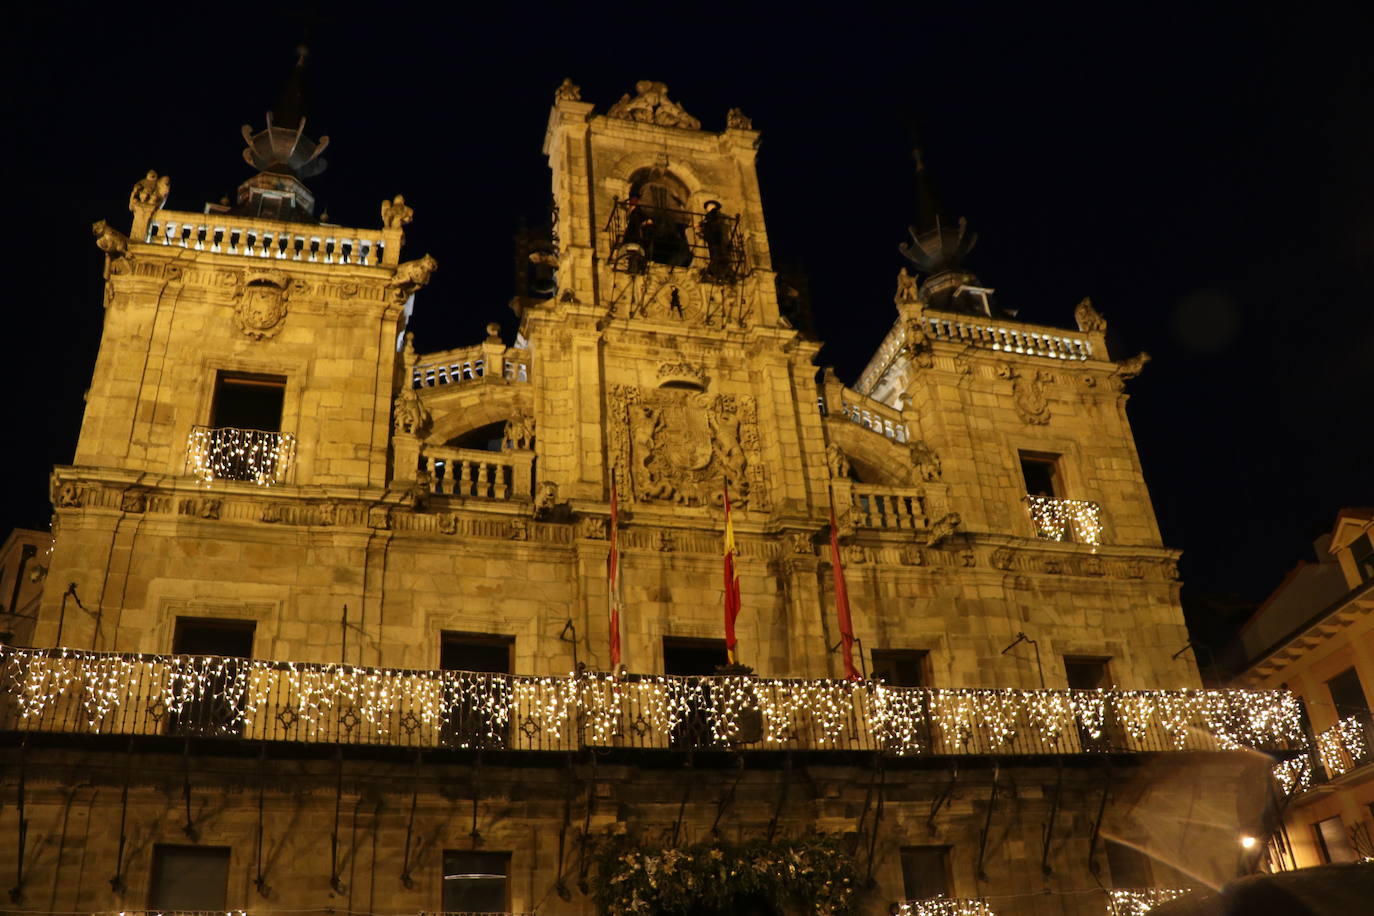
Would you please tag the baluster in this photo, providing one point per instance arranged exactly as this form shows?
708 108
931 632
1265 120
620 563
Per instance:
483 479
500 470
464 478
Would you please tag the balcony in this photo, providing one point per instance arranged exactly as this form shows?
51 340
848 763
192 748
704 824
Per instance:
466 364
943 906
271 240
888 507
1137 901
229 453
710 241
478 474
1057 519
69 691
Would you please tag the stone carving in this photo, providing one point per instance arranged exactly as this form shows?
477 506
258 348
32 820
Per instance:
545 498
493 332
417 495
379 517
1093 566
924 461
670 293
271 513
592 527
448 524
567 91
1003 557
663 540
681 446
1130 368
1028 393
519 432
133 500
395 213
916 342
412 275
738 120
907 289
943 528
150 191
328 514
1135 569
1088 317
1053 566
854 554
968 558
652 106
837 461
209 508
409 415
110 240
518 530
913 555
261 307
69 495
682 371
801 543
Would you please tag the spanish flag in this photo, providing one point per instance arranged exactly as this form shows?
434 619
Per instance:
731 583
613 578
842 598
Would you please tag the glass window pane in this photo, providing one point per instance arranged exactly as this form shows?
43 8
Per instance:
476 882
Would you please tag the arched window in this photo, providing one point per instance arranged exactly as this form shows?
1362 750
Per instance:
657 218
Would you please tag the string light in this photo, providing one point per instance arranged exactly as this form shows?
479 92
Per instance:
1137 901
944 906
1295 774
269 700
1058 519
1342 746
228 453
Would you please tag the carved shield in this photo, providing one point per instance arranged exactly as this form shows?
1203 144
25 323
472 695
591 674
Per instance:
261 308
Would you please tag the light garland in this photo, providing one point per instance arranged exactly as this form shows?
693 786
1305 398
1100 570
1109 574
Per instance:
228 453
63 689
1343 746
1294 775
944 906
1059 519
1137 901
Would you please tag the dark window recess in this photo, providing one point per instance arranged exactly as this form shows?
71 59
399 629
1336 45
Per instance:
190 878
925 871
1129 866
245 401
693 656
1362 552
216 712
476 882
1041 473
1347 693
1085 673
484 438
1332 841
470 724
900 667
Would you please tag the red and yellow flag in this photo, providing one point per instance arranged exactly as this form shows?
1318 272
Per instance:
613 578
842 599
731 582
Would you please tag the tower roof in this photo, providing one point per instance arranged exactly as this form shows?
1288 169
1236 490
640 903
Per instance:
938 243
283 156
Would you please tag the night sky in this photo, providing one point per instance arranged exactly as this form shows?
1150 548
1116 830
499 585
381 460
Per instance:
1207 179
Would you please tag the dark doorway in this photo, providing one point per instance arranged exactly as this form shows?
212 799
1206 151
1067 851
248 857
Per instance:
469 656
900 667
220 649
194 878
694 658
1041 473
247 401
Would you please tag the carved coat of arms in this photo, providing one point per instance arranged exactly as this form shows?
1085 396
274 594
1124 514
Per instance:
261 307
682 446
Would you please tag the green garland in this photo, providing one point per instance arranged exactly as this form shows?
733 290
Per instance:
814 874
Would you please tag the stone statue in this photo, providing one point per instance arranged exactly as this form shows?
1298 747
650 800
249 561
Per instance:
567 91
545 498
1130 368
395 213
907 289
651 105
916 343
412 275
519 432
110 240
409 414
943 528
1088 317
924 461
738 120
150 191
837 461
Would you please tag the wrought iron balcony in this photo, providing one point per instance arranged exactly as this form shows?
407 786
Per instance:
229 453
943 906
640 233
1137 901
69 691
1057 519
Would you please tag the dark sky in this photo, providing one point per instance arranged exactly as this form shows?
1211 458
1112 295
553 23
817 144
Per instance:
1207 178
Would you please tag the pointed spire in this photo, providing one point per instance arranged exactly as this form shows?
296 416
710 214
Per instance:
938 244
289 111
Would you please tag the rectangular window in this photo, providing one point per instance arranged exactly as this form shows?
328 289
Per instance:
1347 693
1128 865
693 656
476 882
1040 471
1087 672
190 878
475 652
220 643
247 401
470 722
900 667
1332 841
1362 552
925 872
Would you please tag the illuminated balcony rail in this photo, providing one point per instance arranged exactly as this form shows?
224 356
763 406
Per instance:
864 411
1345 745
888 507
474 473
456 366
1009 338
1137 901
69 691
229 453
1056 519
944 906
266 239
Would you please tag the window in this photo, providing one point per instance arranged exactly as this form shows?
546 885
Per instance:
900 667
693 656
1347 693
189 878
1087 672
925 872
476 882
475 652
1362 552
246 401
1332 841
1040 471
1129 866
220 643
470 723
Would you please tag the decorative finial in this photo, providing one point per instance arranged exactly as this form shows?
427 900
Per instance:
738 120
651 105
395 213
567 91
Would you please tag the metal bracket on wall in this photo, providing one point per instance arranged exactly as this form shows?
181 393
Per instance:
17 892
260 879
117 882
987 823
1097 822
189 828
406 880
335 880
1045 868
943 798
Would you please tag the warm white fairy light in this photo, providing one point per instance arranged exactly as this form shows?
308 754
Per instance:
1060 519
945 906
1295 774
269 700
1342 747
1137 901
227 453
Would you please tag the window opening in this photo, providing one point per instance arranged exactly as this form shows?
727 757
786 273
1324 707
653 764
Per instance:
476 882
925 872
1347 693
1362 552
189 878
1041 473
1332 841
900 667
470 722
1128 865
246 401
694 658
220 645
1087 672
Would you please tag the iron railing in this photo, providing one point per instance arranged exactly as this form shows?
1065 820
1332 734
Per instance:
69 691
943 906
639 234
229 453
1137 901
1058 519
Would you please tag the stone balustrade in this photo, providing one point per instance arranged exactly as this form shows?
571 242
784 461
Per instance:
1009 337
857 408
1058 519
230 453
456 366
474 473
268 239
71 691
876 506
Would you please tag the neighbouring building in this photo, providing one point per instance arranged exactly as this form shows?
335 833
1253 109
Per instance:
343 633
23 569
1318 642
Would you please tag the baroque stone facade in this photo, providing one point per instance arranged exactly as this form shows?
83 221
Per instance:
404 500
